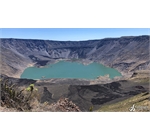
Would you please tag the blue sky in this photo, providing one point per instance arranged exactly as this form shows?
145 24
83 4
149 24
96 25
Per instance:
72 34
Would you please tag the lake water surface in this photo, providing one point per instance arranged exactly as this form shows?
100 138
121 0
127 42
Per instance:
66 69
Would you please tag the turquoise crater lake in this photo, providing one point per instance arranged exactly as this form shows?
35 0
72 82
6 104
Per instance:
67 69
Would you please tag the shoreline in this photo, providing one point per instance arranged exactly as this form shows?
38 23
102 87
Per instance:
82 61
124 75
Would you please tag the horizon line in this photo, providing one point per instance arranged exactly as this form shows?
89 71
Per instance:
75 40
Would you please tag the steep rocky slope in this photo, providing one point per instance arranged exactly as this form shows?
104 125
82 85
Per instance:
86 96
125 54
137 103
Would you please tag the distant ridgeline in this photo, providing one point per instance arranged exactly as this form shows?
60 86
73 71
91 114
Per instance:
126 54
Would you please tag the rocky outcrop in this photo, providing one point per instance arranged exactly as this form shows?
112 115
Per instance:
126 54
64 105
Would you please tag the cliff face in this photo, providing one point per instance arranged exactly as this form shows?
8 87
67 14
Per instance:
125 53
